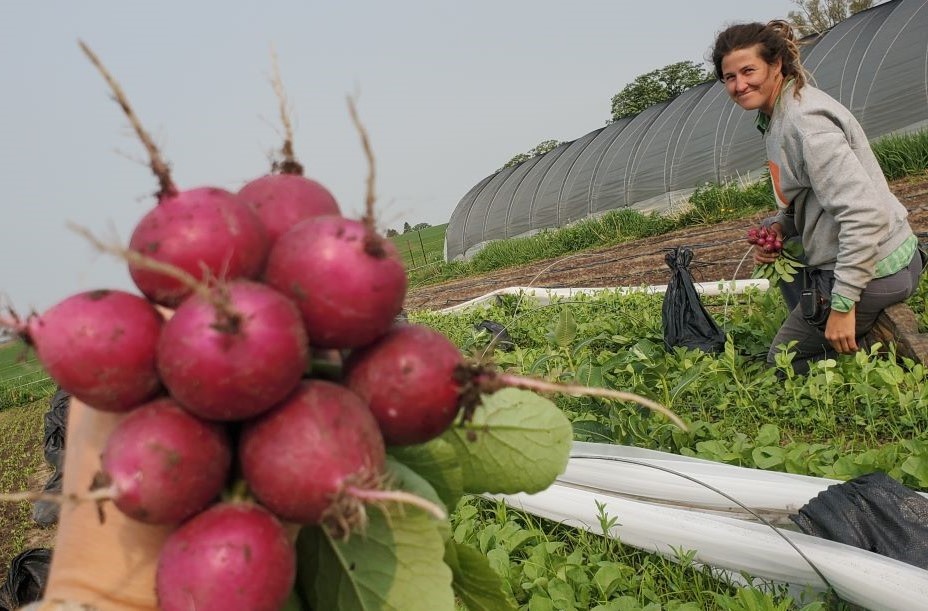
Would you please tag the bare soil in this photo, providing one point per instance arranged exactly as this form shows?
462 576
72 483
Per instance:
718 253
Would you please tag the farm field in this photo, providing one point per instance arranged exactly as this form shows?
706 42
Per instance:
420 247
24 393
21 376
719 253
848 417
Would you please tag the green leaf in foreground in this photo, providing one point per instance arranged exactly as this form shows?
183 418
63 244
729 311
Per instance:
404 478
437 462
517 441
397 563
565 331
478 586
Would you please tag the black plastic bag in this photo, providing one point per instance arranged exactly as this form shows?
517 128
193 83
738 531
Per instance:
498 334
686 322
873 512
25 583
56 423
45 513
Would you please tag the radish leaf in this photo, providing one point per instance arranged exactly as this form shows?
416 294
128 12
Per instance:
517 441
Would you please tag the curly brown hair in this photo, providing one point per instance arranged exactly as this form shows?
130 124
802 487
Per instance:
776 40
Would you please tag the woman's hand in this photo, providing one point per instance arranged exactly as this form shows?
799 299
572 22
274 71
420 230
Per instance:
762 257
840 331
108 565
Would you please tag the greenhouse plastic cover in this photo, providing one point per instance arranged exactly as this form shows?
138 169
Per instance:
662 503
875 63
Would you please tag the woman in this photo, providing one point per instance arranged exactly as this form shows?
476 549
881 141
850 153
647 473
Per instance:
830 192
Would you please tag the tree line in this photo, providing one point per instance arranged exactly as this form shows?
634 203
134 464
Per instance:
407 228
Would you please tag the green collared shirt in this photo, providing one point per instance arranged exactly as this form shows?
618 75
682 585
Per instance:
892 263
762 122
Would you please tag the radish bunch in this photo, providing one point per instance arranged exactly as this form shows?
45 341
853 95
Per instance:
227 434
788 262
263 375
765 239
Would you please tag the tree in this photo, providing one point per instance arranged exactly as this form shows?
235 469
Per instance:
816 16
406 227
392 232
541 148
420 226
657 86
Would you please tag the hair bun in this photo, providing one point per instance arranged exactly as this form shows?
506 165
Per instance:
783 28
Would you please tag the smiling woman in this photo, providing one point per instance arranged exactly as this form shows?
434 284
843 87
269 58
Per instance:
754 63
859 250
751 82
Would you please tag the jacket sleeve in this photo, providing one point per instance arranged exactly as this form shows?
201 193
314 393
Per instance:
846 192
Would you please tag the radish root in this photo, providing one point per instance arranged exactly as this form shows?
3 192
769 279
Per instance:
227 319
369 153
158 166
289 165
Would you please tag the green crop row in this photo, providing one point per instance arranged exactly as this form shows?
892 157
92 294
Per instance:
848 416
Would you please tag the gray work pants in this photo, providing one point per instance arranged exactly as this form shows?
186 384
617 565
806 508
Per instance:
811 344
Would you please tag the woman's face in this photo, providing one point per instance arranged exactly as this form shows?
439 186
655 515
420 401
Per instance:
751 82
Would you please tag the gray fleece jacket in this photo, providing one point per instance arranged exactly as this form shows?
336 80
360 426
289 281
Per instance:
830 189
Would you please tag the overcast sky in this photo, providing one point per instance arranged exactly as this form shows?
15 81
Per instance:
448 91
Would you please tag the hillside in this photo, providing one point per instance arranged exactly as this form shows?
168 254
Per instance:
718 250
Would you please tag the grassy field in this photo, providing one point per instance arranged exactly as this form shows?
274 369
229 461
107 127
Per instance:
24 392
849 416
22 467
22 379
421 247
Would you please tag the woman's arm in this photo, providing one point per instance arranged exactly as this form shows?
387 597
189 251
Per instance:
109 565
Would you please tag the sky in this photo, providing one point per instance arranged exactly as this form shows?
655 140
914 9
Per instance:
447 91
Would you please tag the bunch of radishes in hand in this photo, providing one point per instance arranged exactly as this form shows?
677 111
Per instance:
262 375
786 263
219 394
765 239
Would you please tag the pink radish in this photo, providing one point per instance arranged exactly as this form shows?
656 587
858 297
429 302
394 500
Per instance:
407 377
301 457
283 200
207 232
284 197
348 282
231 556
165 465
99 346
234 352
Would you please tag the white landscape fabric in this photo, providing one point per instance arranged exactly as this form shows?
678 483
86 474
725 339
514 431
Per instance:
661 512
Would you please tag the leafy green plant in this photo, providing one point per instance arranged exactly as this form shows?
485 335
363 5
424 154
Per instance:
844 407
544 565
20 459
22 379
846 417
785 267
902 154
712 203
